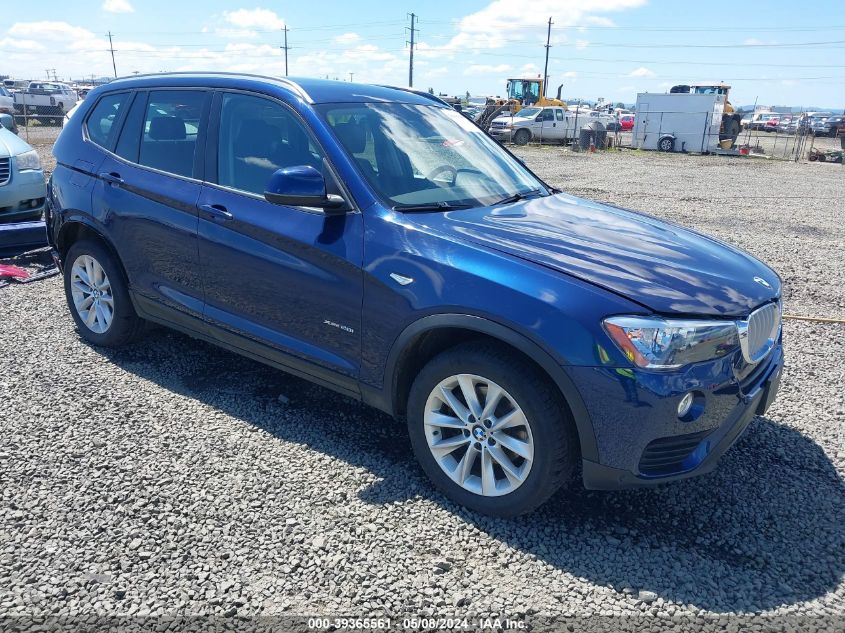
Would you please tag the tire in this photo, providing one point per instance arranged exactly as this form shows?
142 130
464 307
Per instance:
521 137
822 158
730 130
109 290
666 144
548 430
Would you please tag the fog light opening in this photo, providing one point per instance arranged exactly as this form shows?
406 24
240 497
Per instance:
685 404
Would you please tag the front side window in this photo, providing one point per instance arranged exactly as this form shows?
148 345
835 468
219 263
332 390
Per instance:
548 115
171 126
257 137
426 155
101 122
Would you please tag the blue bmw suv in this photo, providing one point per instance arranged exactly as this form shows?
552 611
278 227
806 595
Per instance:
374 241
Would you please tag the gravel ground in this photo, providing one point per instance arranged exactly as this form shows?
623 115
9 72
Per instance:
173 478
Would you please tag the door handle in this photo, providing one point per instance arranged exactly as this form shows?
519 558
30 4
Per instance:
217 211
112 178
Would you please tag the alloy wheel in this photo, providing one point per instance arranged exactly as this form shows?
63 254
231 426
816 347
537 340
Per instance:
92 294
478 435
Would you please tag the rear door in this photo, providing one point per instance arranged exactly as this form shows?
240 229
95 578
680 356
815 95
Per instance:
147 194
281 282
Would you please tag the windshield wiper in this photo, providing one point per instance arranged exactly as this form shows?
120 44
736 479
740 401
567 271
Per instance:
520 195
431 206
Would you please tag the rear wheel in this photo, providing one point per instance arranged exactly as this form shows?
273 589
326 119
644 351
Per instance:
666 144
522 137
489 430
98 297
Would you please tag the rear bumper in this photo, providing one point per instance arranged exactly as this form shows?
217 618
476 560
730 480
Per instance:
620 449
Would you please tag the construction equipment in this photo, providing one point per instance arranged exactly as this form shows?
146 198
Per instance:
731 120
520 92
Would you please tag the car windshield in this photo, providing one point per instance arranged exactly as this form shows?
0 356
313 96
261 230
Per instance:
430 156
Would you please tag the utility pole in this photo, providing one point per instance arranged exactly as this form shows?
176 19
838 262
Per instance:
111 48
546 69
350 77
286 49
411 62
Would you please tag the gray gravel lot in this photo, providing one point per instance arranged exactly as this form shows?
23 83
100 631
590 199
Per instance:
175 478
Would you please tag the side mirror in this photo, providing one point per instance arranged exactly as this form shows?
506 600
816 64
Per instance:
538 118
301 186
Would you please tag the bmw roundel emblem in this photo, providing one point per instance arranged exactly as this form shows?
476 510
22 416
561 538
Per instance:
762 282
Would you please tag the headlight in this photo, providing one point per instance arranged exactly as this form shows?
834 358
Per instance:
28 160
655 343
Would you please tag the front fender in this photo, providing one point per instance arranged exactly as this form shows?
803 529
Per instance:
501 332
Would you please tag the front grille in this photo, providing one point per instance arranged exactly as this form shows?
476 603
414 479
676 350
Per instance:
5 170
763 327
667 455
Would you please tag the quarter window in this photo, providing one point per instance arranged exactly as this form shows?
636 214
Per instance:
171 127
101 122
257 137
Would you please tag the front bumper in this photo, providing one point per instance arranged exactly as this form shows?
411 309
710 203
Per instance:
501 134
17 195
626 431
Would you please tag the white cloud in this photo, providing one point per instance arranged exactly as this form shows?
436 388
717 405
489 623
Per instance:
22 45
48 30
347 38
254 18
118 6
642 72
487 68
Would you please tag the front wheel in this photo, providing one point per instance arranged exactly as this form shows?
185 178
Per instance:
490 430
522 137
98 297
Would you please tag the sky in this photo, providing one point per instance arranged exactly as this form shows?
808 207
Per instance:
613 49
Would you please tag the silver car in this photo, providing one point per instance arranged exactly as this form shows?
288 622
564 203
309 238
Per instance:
22 186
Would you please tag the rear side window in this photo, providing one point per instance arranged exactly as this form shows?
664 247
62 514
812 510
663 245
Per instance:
559 115
171 127
102 122
130 135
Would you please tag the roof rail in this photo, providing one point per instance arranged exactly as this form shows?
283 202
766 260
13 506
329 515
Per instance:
419 93
295 87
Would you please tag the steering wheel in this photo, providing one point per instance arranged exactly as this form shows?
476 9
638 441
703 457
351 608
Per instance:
441 169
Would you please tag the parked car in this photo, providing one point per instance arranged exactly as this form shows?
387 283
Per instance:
44 98
375 241
7 102
626 122
758 120
531 123
770 124
783 126
22 186
830 126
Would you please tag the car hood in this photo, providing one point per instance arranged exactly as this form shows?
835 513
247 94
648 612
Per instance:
11 145
657 264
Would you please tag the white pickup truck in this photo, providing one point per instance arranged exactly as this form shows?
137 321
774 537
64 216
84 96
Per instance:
45 98
549 123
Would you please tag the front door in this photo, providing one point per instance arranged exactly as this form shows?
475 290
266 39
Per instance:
281 282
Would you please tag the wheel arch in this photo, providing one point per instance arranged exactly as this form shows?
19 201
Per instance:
78 228
430 335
